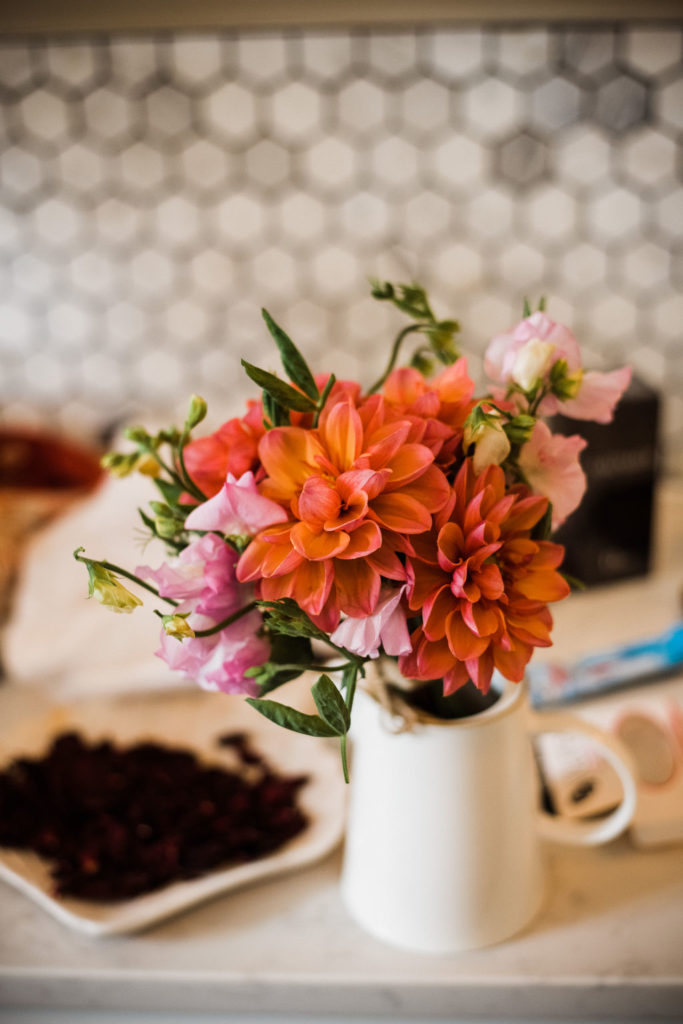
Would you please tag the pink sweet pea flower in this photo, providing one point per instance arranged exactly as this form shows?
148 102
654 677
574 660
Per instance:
516 355
505 349
386 626
202 578
550 463
218 662
238 508
203 574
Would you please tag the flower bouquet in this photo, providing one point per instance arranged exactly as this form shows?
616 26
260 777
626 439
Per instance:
330 524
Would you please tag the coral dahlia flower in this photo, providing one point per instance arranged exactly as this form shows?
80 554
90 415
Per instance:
481 584
233 448
353 486
437 408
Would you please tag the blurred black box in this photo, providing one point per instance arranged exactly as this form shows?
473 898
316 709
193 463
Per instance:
609 537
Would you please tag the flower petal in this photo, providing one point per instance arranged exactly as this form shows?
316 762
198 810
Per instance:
543 586
357 586
598 395
409 463
400 512
462 641
431 489
434 659
363 541
342 434
311 585
317 502
456 677
315 545
289 456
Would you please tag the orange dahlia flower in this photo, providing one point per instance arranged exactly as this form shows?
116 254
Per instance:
353 486
481 584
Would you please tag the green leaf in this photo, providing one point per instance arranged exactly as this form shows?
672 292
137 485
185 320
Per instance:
284 650
278 678
283 393
330 705
270 675
294 363
274 412
149 523
290 718
544 527
170 491
526 309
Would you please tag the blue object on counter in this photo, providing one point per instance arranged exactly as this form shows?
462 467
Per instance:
627 665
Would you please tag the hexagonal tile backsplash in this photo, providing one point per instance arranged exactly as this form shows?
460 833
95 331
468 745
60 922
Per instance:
157 191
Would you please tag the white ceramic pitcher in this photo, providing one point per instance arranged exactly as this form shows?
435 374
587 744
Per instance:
443 837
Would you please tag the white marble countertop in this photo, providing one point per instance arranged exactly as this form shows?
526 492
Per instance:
607 943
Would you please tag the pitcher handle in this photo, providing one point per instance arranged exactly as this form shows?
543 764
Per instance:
589 833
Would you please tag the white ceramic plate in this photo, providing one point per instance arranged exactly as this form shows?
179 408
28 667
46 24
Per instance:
194 721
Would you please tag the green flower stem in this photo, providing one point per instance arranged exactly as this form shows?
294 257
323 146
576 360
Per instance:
227 622
534 404
410 329
350 677
351 687
311 668
151 450
129 576
344 760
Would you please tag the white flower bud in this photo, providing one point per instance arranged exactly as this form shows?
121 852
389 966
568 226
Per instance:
532 362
